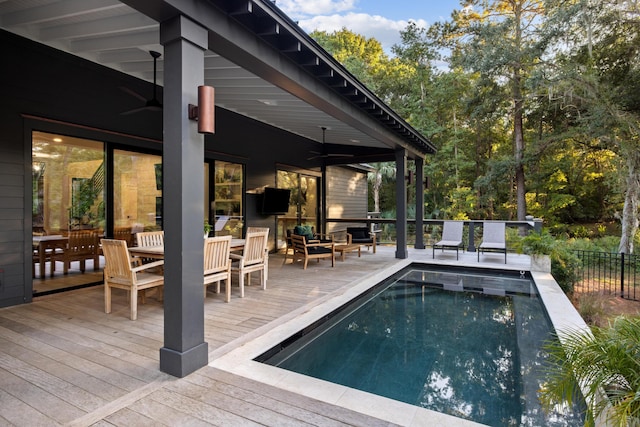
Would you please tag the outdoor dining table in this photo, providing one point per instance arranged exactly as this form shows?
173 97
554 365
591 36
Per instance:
48 243
158 251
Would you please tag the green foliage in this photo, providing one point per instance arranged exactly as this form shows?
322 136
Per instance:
572 71
606 360
565 265
591 308
540 244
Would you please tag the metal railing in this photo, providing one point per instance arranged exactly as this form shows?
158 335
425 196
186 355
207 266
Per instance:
431 228
609 273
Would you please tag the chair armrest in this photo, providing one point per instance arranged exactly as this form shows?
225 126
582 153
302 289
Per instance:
235 256
322 244
149 265
321 237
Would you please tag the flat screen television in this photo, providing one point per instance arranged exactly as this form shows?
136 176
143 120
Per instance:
275 201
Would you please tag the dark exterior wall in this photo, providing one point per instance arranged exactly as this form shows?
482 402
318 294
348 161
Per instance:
45 89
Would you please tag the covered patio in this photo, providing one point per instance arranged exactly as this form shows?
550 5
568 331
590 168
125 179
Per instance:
63 361
100 134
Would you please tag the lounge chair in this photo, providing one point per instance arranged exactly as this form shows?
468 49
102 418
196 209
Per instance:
310 235
306 251
451 237
363 236
493 238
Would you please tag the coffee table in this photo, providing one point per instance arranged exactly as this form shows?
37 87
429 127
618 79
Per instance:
348 247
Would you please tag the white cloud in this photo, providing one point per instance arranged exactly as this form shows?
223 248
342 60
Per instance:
333 15
304 8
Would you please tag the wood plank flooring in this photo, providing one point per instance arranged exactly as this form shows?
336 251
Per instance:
63 361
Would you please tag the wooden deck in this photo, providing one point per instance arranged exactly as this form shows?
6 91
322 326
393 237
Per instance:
63 361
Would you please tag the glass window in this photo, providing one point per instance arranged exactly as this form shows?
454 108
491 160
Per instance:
68 184
227 201
137 194
303 205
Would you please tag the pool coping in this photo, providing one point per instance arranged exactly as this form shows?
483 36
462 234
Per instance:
237 356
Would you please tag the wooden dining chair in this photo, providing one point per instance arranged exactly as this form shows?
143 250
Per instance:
217 265
266 261
82 245
253 258
123 233
120 273
150 238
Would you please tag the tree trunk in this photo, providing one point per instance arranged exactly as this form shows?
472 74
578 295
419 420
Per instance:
377 183
518 131
630 209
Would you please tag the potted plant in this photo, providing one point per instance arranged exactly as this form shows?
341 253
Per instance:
207 228
540 246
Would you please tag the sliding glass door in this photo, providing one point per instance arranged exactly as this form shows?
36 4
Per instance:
137 194
226 212
68 196
303 204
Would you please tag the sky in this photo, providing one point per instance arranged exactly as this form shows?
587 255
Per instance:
381 19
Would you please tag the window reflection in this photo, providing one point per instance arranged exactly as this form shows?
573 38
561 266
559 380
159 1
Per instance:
137 194
227 204
68 184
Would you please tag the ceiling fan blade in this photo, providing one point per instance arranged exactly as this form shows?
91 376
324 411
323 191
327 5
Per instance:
318 155
133 93
135 110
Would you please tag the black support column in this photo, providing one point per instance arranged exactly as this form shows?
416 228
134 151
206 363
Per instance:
419 203
401 204
184 348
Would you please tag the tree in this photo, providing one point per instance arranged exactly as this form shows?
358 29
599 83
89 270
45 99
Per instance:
598 69
382 170
363 57
498 39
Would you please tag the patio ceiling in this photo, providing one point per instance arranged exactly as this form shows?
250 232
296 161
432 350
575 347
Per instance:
263 67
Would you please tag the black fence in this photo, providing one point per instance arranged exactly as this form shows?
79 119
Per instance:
610 273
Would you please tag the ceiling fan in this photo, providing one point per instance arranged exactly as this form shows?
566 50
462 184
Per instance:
152 104
325 155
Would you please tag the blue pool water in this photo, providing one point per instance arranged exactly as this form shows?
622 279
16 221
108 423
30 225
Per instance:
465 343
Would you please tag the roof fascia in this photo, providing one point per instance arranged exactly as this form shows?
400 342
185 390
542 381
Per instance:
292 61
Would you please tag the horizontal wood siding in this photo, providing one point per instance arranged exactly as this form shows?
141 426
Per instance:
12 221
346 195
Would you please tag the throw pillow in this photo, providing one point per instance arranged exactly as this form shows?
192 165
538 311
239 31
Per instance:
304 230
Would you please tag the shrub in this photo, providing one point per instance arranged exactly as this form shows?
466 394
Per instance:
565 265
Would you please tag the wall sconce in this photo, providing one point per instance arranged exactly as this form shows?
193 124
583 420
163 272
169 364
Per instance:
409 178
204 112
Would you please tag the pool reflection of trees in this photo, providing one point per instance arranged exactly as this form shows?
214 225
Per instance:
451 352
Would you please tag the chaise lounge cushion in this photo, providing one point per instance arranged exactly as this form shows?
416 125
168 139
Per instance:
359 235
318 250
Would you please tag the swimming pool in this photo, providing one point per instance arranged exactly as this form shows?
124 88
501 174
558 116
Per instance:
460 342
